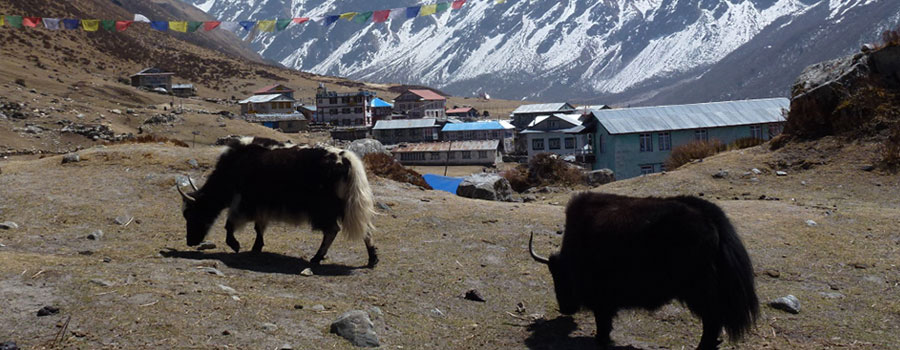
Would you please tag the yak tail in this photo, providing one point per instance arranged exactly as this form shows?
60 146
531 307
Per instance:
359 205
738 304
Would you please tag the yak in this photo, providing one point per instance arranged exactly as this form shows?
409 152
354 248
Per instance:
641 253
262 181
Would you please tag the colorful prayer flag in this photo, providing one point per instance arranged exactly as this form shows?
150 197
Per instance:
458 4
14 21
380 16
428 10
207 26
348 15
141 18
398 13
122 25
281 24
329 20
51 23
178 26
413 11
362 17
2 20
90 25
193 26
248 25
442 6
230 26
32 22
300 20
317 19
267 26
71 23
500 1
159 25
108 25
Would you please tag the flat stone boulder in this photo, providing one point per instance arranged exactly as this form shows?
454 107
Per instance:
357 327
600 177
362 147
487 186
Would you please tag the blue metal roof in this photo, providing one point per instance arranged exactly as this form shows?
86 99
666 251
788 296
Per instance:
487 125
377 102
693 116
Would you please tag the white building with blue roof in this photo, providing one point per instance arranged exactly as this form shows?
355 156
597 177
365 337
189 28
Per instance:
636 141
499 130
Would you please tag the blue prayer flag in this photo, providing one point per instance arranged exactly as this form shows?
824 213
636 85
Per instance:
329 20
69 23
247 24
412 12
160 25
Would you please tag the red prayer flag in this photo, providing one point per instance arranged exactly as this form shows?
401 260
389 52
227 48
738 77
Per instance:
207 26
122 25
300 20
31 21
381 16
458 4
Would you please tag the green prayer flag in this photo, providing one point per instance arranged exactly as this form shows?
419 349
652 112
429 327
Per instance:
108 25
362 17
14 21
442 6
193 26
282 23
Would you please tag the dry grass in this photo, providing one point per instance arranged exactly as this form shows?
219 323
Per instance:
384 165
693 150
544 169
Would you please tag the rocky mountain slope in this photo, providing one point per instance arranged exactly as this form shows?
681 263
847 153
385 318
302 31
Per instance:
613 52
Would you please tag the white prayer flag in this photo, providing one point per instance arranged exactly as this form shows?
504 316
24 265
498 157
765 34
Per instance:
141 18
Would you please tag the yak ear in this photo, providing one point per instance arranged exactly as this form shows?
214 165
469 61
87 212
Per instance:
534 255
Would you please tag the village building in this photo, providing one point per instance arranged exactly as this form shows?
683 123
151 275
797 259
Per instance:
184 90
289 123
501 131
421 103
309 112
152 78
273 107
346 109
560 134
268 104
390 132
381 110
275 89
525 114
636 141
463 113
485 152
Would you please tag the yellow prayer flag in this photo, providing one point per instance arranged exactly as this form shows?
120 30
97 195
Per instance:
428 10
90 25
266 26
178 26
348 16
2 20
501 1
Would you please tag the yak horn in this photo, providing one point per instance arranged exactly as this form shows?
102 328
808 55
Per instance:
534 255
191 181
185 195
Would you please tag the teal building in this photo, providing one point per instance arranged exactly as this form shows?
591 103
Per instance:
637 141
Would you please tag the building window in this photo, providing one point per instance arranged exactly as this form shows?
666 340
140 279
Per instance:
537 144
665 141
451 155
646 143
482 154
357 110
662 167
332 100
412 156
775 130
646 169
466 155
435 156
553 124
570 142
345 110
333 111
701 135
756 132
554 143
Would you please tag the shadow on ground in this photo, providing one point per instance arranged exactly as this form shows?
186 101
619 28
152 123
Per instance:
264 262
554 334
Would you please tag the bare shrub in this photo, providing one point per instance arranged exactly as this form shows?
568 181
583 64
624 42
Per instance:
745 142
151 139
890 154
544 169
697 149
384 165
518 178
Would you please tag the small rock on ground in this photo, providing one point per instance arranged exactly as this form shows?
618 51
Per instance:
100 282
268 327
124 220
788 303
71 158
317 307
474 295
356 327
9 346
47 311
781 173
721 174
286 347
811 223
307 272
96 235
227 289
211 270
8 225
206 246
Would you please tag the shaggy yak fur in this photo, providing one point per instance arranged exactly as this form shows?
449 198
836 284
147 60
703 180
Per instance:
261 181
623 253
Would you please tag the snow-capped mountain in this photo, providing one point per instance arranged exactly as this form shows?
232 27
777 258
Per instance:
586 51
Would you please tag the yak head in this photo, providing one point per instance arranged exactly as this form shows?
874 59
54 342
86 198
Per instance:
562 280
197 217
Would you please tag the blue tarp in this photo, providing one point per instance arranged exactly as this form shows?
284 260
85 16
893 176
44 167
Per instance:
443 183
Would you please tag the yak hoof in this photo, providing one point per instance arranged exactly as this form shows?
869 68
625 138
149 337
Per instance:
316 261
713 346
257 249
372 262
234 245
604 344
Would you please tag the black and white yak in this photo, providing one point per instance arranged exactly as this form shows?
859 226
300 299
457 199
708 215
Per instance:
622 253
262 181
